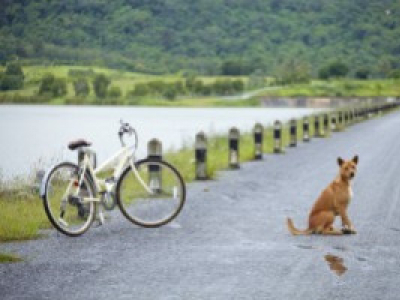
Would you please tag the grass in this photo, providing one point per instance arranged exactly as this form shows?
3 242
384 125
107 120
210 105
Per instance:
125 80
9 258
339 88
22 215
21 219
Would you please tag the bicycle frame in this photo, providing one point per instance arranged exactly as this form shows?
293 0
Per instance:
125 158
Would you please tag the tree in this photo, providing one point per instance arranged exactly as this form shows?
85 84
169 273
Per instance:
14 69
223 87
395 74
235 68
170 92
334 69
53 86
198 87
141 89
256 79
81 87
190 82
238 85
362 73
12 78
100 85
115 92
293 71
167 36
59 87
157 87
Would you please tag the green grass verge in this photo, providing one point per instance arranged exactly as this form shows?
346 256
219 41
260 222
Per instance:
9 258
21 219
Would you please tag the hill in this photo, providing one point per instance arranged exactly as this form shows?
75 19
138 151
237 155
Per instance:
160 36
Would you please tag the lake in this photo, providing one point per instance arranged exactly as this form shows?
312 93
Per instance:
37 136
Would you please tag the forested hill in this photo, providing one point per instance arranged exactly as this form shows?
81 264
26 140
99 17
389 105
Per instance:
169 35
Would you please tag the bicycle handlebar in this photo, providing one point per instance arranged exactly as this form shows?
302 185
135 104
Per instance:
127 128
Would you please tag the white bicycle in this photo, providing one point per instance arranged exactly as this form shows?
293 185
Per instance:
149 192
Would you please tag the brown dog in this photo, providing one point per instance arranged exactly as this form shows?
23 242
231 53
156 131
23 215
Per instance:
332 202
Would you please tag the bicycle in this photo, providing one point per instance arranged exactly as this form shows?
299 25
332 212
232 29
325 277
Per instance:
149 192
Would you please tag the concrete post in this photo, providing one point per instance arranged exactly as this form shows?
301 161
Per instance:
293 133
306 130
234 137
154 151
277 137
258 141
201 156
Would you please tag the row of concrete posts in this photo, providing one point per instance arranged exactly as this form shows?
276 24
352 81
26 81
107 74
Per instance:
323 124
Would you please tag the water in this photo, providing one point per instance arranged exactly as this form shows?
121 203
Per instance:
37 136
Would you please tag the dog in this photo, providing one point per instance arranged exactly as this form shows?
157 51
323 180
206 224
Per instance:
332 202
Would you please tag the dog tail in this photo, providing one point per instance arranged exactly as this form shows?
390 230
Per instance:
293 230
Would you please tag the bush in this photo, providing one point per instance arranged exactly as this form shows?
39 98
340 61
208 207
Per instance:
170 92
335 69
81 87
362 73
100 85
190 82
198 87
223 87
238 85
12 78
180 88
53 86
207 90
257 79
395 74
293 71
115 92
14 69
141 89
236 68
11 82
157 87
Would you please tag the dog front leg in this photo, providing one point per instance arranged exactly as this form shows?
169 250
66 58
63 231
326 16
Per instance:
346 223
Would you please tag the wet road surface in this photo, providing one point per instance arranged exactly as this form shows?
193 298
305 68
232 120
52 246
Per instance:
231 241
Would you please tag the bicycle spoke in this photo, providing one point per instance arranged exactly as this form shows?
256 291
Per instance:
159 205
63 200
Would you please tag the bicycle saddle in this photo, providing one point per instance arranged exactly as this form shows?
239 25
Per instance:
78 143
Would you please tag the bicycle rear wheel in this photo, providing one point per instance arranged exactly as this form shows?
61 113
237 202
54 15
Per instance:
157 205
63 199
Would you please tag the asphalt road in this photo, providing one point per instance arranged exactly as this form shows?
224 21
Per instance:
231 242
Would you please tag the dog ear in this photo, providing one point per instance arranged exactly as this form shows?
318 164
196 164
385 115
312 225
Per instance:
355 159
340 161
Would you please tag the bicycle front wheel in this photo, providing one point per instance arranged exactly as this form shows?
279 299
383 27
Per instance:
63 199
156 200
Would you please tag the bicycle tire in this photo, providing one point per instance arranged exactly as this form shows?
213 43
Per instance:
174 213
47 205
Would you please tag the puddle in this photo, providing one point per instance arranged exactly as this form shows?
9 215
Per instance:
305 247
336 264
340 248
361 259
395 229
174 225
